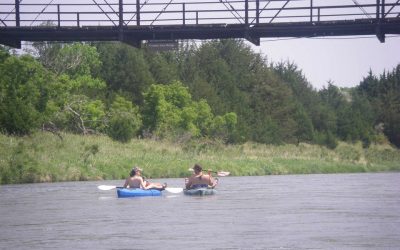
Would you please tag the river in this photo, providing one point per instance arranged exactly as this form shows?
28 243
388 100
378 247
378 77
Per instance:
336 211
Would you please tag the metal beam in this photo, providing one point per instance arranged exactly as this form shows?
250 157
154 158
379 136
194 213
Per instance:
138 7
305 29
3 22
121 13
162 11
362 9
246 12
121 20
398 1
17 17
45 7
260 11
109 18
279 11
232 10
274 24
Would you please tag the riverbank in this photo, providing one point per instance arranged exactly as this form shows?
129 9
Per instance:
44 157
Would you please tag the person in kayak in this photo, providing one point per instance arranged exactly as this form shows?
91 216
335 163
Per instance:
199 179
135 180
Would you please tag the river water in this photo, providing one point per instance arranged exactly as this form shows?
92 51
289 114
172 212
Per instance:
337 211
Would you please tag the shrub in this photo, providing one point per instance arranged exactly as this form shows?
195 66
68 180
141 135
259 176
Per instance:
125 120
122 127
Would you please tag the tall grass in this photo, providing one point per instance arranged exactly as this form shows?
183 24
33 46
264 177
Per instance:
44 157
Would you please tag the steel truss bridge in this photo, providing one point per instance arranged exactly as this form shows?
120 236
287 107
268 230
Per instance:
135 21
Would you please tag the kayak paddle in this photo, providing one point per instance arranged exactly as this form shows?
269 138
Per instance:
168 189
219 173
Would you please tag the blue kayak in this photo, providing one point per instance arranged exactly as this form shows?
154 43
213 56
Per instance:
200 191
136 192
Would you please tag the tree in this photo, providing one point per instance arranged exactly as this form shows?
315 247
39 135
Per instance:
125 70
83 115
4 54
24 91
332 96
305 130
124 121
168 108
74 59
389 102
384 94
45 52
170 111
162 67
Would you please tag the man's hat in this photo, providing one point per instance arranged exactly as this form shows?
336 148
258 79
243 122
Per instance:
135 170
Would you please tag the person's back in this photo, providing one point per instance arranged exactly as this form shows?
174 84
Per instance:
134 182
199 179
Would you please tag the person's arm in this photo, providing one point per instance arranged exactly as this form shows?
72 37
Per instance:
126 183
142 184
188 184
214 182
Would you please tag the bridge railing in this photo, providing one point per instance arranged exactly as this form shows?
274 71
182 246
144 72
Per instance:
74 13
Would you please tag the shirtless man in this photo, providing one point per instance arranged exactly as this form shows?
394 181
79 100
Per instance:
135 180
199 179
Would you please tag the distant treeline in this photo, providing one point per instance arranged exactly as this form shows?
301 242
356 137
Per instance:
218 90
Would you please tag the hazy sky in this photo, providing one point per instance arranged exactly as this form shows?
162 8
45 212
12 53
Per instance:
342 60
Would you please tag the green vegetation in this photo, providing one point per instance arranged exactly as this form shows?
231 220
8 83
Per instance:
216 100
44 157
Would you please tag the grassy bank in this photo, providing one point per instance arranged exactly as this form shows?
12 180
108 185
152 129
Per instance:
44 157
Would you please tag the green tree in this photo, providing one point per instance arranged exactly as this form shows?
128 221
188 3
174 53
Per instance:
74 59
83 115
223 127
125 70
4 54
168 108
384 94
170 111
124 121
24 94
45 52
162 67
389 103
305 130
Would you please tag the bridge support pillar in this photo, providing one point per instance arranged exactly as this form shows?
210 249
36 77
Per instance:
252 39
380 34
11 43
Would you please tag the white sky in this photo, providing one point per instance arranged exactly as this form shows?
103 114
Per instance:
342 60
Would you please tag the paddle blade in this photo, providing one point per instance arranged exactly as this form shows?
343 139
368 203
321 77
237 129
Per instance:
219 173
174 190
106 187
223 173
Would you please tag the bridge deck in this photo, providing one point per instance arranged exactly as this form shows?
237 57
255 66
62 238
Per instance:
194 19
